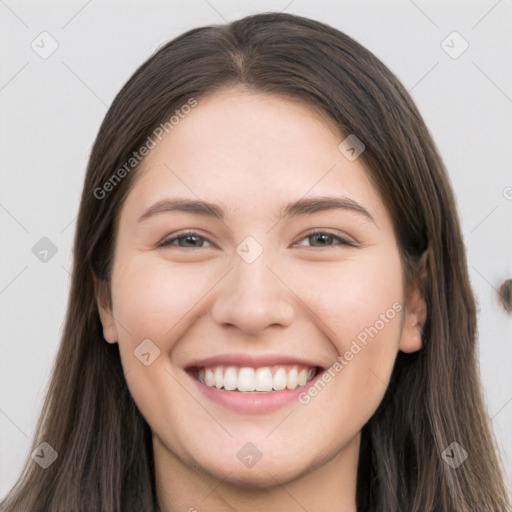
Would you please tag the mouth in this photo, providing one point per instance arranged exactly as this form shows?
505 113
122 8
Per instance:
247 379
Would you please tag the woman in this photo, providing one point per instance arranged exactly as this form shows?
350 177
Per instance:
213 360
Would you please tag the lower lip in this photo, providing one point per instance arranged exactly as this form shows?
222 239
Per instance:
259 402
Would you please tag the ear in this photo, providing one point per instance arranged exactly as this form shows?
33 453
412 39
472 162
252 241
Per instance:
415 309
103 302
415 315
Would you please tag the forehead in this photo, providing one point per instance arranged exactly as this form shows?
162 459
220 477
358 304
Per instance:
244 149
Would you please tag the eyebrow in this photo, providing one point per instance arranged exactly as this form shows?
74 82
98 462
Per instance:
293 209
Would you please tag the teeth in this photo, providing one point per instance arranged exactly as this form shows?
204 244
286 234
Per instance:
230 378
247 379
291 379
219 378
263 379
208 377
279 379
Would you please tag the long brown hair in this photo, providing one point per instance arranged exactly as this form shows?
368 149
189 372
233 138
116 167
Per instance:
434 398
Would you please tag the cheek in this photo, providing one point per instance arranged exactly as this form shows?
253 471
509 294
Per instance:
355 295
360 308
151 297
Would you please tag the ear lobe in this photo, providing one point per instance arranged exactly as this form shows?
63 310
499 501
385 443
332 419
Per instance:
415 312
104 305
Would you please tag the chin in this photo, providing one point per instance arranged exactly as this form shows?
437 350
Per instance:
264 474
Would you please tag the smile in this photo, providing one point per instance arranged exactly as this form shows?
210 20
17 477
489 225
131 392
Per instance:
257 380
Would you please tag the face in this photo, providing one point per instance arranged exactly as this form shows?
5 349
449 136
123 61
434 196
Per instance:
259 343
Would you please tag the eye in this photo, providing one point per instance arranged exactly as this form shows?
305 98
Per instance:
324 237
189 237
192 239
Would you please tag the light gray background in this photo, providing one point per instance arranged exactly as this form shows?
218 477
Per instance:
51 110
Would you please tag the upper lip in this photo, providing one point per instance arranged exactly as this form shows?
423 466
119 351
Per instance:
246 360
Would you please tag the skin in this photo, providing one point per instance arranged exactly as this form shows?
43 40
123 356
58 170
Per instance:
251 153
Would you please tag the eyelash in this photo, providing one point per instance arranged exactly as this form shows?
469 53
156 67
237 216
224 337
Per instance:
168 241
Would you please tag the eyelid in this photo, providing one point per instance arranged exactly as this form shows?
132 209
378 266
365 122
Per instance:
180 234
343 239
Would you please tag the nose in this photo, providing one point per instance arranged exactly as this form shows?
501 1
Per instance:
254 296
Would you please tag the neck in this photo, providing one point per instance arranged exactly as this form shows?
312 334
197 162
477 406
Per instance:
330 486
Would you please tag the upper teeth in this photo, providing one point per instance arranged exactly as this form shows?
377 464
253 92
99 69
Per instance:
256 379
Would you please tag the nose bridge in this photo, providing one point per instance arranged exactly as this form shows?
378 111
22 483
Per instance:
255 277
253 297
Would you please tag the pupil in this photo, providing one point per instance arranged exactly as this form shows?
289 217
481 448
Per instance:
322 237
187 238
